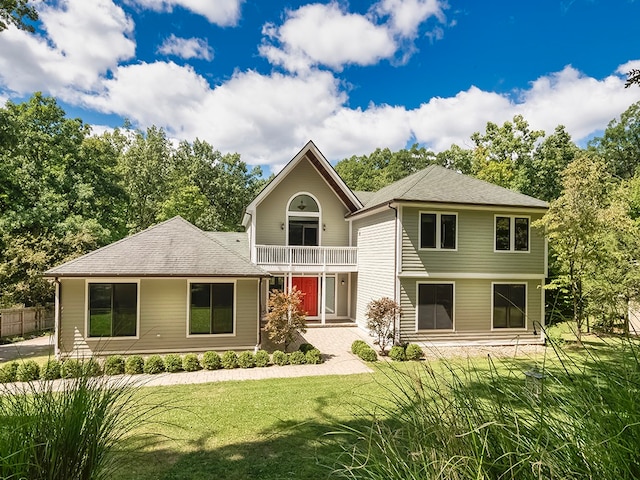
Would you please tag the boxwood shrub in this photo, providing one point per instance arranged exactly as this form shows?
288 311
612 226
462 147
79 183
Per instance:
230 359
397 354
91 368
28 371
190 363
262 358
71 368
413 352
313 356
114 365
246 360
173 363
8 372
154 365
297 358
134 365
357 345
50 370
305 347
211 360
367 354
280 358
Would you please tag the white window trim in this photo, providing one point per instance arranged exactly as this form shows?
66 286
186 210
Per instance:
234 281
512 233
526 307
453 308
288 214
438 231
89 281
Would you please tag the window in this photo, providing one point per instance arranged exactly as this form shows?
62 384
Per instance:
509 305
435 306
303 221
438 230
113 309
512 234
211 310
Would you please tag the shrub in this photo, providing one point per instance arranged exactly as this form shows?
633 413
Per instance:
367 354
8 372
262 358
357 345
71 368
280 358
28 371
91 368
114 365
381 315
285 319
190 363
172 363
305 347
134 365
413 352
211 360
229 360
154 365
297 358
50 370
246 360
313 356
397 354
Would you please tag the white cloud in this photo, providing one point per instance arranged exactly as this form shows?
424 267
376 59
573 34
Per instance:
319 34
186 48
219 12
405 16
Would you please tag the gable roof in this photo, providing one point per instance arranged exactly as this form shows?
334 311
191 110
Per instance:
436 184
323 167
174 248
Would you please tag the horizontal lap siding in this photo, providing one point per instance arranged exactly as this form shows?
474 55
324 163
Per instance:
475 247
472 314
163 320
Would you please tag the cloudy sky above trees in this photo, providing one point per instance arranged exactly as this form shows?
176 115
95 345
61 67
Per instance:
263 77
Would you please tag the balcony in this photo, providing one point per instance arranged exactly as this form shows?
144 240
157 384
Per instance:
293 258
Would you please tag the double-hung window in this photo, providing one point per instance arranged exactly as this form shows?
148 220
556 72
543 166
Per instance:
438 230
113 309
512 233
435 306
509 305
211 309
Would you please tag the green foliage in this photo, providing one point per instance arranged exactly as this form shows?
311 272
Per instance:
367 354
173 363
114 365
71 368
28 371
280 358
190 363
211 360
246 360
297 358
8 372
154 364
397 354
229 359
413 352
262 358
357 345
305 347
14 12
285 319
381 319
134 365
91 368
313 357
50 370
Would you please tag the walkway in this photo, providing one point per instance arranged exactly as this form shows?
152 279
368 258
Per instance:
34 347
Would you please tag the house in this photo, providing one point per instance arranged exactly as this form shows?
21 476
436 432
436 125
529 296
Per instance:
458 254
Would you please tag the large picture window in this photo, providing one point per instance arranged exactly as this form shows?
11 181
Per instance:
113 309
435 306
211 310
438 230
512 234
509 305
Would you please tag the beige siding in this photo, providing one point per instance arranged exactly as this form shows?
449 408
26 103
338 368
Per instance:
163 320
472 310
475 252
376 259
272 211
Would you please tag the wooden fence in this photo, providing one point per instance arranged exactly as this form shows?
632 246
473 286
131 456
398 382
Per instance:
20 321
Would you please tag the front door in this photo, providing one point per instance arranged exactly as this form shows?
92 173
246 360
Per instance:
309 288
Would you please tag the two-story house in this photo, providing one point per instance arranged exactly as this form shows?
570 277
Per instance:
458 254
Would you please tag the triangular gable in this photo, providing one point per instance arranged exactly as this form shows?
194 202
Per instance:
323 167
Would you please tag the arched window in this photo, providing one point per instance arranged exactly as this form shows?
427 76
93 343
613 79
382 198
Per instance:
303 220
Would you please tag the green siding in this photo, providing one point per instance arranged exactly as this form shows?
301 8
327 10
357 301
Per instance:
271 213
472 309
475 247
163 320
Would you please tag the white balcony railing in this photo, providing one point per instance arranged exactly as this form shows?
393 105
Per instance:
289 255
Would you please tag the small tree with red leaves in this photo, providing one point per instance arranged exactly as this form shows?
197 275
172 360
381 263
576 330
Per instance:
285 319
381 319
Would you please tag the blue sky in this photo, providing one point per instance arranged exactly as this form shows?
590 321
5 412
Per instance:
263 77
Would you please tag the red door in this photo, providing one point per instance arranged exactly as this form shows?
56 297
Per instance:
309 288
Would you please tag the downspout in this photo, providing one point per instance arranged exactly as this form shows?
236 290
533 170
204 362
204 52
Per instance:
396 327
56 319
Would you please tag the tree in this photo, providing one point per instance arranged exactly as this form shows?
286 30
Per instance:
381 320
633 77
14 12
285 319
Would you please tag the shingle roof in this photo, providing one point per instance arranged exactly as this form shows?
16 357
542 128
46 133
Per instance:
441 185
169 249
236 241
